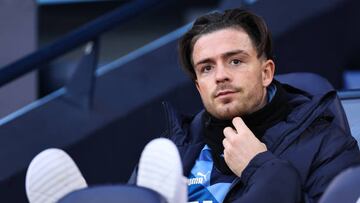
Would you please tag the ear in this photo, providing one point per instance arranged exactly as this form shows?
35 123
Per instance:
268 72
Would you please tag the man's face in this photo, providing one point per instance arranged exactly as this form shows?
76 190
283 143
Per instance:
230 77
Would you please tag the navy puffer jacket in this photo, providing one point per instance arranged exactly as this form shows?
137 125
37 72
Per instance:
305 152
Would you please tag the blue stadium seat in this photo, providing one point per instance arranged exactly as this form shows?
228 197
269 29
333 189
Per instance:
351 103
113 194
309 82
345 188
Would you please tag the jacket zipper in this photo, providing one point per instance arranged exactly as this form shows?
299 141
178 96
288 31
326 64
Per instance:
167 119
233 184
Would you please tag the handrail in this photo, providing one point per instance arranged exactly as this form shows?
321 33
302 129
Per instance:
349 94
80 36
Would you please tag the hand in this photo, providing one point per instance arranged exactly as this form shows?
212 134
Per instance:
240 146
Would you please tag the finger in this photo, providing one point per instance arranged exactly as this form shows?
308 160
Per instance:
229 131
226 155
225 143
239 124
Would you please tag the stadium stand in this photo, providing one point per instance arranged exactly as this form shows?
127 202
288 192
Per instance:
311 35
105 115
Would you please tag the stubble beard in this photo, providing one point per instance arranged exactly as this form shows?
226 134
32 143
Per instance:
227 111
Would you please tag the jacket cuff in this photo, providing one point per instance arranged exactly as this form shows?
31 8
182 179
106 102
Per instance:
255 163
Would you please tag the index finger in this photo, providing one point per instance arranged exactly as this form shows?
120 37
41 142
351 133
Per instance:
238 123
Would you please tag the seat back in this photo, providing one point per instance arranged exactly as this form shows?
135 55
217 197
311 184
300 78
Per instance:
351 103
113 194
344 188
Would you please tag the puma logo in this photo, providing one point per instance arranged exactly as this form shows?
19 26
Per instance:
203 175
200 179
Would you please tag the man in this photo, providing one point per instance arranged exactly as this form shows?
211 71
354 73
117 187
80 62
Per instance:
257 140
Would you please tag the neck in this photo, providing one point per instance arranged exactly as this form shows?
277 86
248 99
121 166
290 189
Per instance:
263 102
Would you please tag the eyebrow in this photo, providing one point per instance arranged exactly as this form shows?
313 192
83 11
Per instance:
234 52
224 55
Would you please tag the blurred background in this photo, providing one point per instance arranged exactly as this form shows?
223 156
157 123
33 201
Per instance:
90 76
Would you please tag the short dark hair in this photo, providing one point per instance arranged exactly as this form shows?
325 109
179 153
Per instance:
252 24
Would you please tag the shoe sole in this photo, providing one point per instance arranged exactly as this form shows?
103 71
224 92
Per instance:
160 169
51 175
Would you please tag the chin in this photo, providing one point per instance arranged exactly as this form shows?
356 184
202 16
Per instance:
227 114
226 111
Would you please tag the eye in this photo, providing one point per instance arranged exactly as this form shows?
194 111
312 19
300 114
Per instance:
235 62
206 69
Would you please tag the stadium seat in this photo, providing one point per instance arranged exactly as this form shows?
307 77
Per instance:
351 103
309 82
344 188
113 194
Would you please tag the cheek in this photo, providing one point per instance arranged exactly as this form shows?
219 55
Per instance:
202 88
205 92
252 88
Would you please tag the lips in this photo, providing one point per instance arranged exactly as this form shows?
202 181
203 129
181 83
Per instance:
224 93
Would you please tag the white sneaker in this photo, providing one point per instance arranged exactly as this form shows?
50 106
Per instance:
51 175
160 169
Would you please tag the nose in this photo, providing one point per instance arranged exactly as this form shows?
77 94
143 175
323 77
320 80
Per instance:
222 74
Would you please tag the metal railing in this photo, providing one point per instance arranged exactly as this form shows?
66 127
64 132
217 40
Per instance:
90 32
